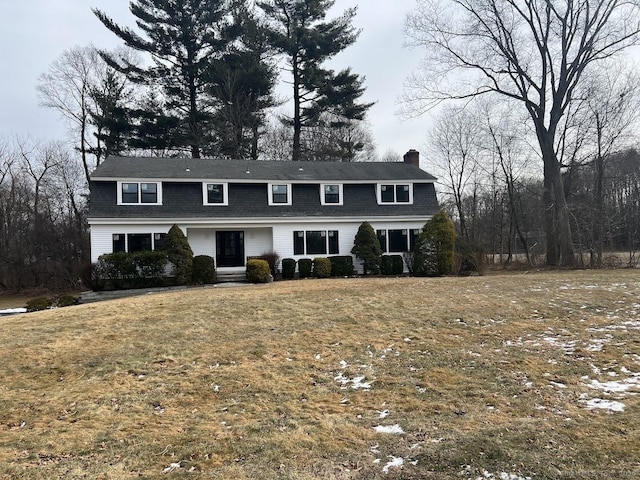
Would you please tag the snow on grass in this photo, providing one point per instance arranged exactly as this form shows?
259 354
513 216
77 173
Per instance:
12 311
393 429
484 474
602 404
395 462
357 383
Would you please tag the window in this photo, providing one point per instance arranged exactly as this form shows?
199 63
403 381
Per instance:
215 193
315 242
144 192
382 238
279 194
136 242
413 238
119 243
397 241
392 193
331 194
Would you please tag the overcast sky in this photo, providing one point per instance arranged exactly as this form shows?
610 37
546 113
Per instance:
34 33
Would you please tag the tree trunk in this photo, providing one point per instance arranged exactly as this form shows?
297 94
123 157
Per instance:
297 120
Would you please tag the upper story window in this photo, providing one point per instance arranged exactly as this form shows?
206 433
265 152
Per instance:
279 194
215 193
140 192
331 194
395 193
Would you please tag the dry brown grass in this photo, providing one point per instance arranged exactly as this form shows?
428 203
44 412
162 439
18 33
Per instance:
485 375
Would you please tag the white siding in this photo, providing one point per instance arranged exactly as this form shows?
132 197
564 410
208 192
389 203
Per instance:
258 241
202 241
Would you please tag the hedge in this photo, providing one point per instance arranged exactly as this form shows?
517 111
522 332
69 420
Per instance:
305 267
341 265
204 270
258 271
321 267
288 268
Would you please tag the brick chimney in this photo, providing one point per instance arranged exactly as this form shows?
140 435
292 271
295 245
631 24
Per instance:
412 157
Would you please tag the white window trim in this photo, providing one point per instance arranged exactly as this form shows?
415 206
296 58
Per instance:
139 202
225 194
340 194
270 194
394 184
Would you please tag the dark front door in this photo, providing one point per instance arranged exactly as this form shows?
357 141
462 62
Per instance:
229 249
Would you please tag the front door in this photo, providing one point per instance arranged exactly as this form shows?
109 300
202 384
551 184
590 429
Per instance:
229 249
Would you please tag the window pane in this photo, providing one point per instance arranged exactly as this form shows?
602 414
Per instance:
139 241
118 243
386 194
158 241
382 238
279 193
333 242
402 193
332 194
149 192
298 243
316 242
129 193
215 193
398 240
413 239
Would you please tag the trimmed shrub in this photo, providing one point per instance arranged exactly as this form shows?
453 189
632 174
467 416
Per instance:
386 265
288 268
273 259
150 267
67 300
121 270
40 303
397 265
258 271
179 253
366 247
434 251
204 270
341 265
321 267
305 266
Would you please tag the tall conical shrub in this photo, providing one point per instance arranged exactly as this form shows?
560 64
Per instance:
366 247
434 250
179 254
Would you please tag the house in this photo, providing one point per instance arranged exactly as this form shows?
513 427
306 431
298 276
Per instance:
234 209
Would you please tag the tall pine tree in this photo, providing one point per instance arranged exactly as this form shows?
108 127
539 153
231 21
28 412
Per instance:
183 38
300 32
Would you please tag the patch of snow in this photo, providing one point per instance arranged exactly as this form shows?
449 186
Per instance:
357 383
610 405
171 467
394 429
396 462
343 364
616 387
384 413
11 311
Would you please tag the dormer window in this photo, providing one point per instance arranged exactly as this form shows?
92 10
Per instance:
215 193
279 194
331 194
133 193
395 193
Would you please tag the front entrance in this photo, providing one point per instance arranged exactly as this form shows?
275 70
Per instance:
229 249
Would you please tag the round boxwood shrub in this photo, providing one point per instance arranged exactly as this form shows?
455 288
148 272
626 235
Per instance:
258 271
67 300
288 268
305 266
40 303
204 270
321 267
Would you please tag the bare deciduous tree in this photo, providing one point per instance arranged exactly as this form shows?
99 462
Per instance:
536 52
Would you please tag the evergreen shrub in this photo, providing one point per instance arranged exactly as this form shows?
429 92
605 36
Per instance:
273 259
179 253
204 270
116 271
386 265
321 267
258 271
40 303
434 250
366 247
397 265
305 266
288 268
67 300
341 265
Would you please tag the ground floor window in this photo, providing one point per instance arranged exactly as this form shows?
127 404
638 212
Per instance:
397 240
138 242
315 242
